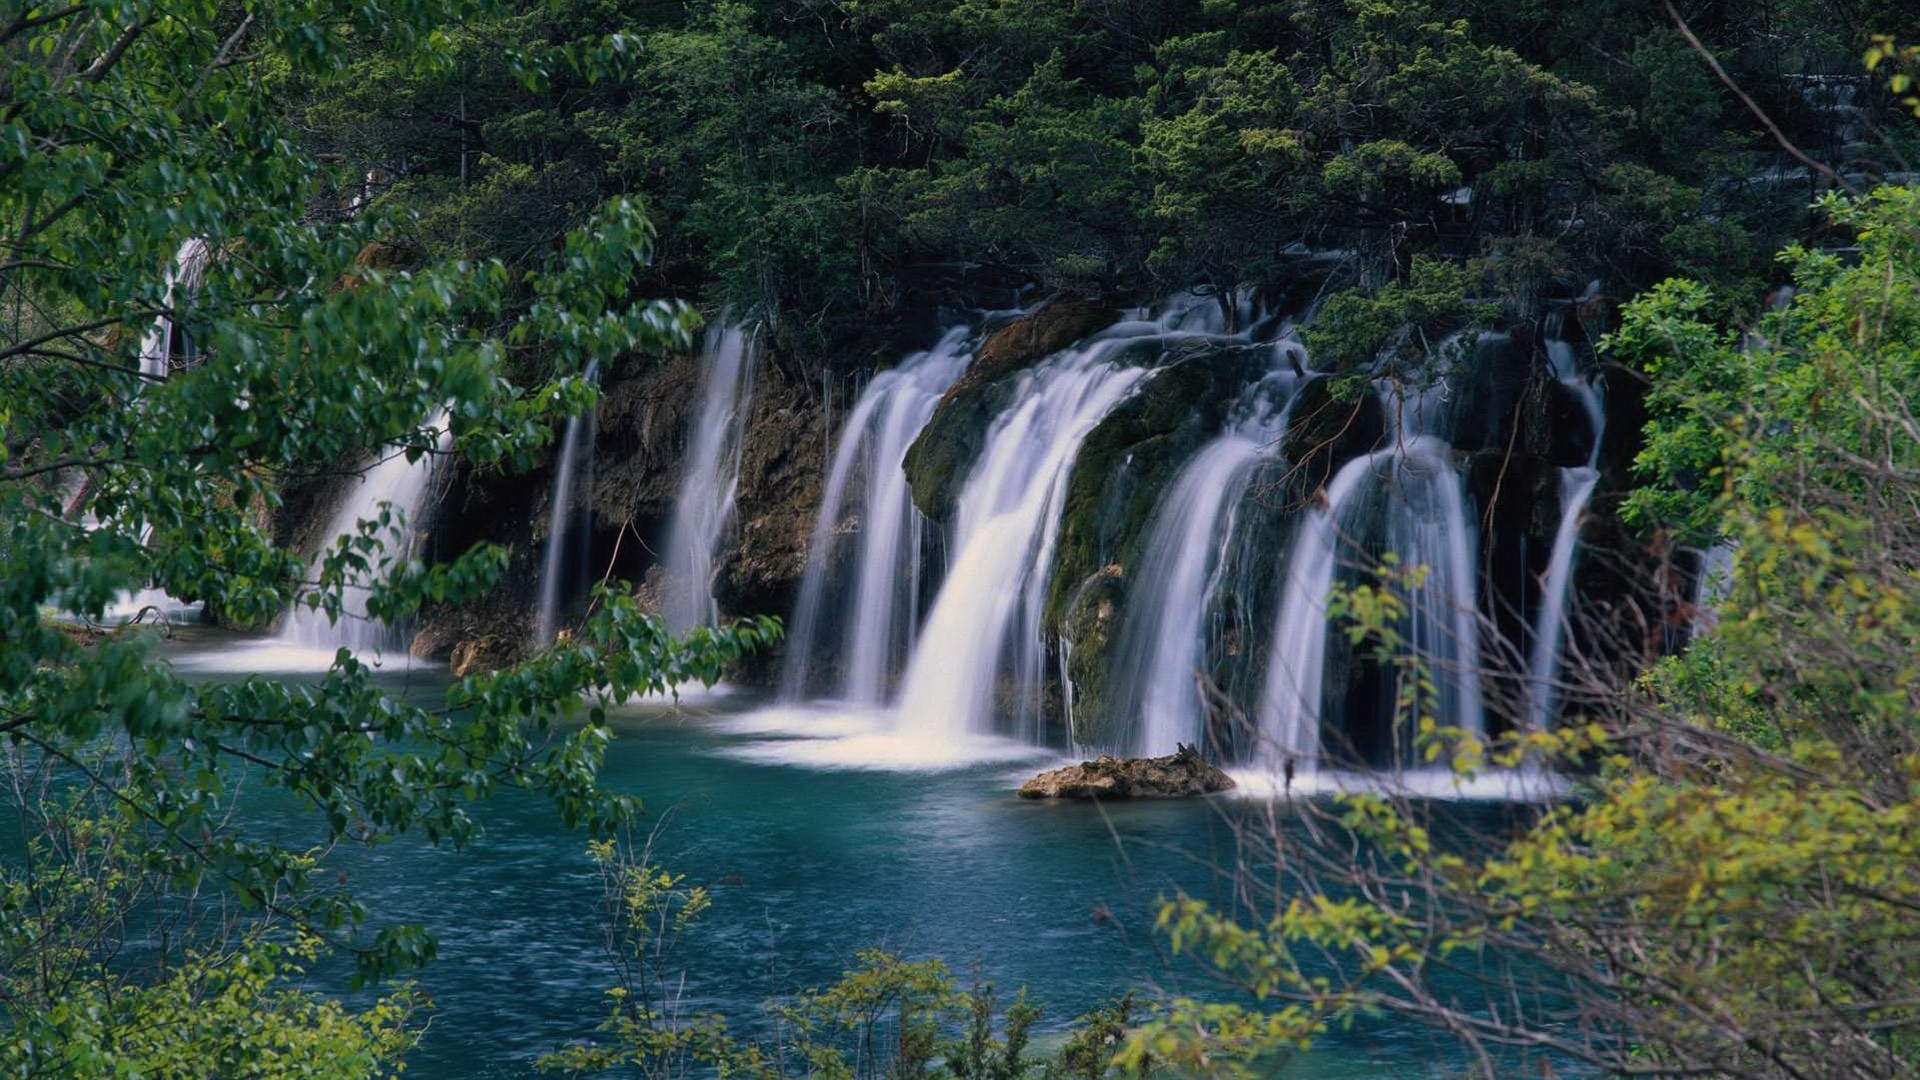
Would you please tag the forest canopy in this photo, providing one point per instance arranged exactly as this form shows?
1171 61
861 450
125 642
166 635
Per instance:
826 161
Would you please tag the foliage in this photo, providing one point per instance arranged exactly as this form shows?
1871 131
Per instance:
1733 892
825 163
1902 61
1775 398
130 135
221 1008
1399 324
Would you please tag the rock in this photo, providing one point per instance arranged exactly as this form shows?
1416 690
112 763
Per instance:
938 462
782 477
493 632
386 255
1485 389
1091 618
482 654
1048 330
1180 775
1126 461
1329 429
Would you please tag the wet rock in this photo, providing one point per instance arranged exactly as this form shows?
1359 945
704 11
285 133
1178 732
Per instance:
492 633
645 411
1331 423
387 255
1092 616
782 473
1179 775
1560 428
1048 330
483 654
938 462
1127 460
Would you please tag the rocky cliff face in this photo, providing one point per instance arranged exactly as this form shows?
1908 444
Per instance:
783 468
643 425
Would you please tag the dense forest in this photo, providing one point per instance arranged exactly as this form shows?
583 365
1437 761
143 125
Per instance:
833 164
1514 397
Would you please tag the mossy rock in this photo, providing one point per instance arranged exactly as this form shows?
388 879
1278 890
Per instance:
1559 427
1127 460
1090 622
939 460
1333 421
1487 392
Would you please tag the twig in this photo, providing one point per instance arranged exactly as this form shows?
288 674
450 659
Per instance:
1753 106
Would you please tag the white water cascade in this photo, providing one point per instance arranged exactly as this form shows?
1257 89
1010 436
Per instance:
866 545
1576 490
157 346
576 448
704 508
1163 640
188 269
1428 531
986 620
393 486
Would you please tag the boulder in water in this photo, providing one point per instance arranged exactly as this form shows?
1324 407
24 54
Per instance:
1179 775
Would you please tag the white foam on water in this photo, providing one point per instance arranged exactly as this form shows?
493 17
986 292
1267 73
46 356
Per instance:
824 735
275 656
1493 785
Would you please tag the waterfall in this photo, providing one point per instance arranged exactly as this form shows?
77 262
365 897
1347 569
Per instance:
1289 713
576 446
1549 628
157 347
1712 583
1576 489
1428 531
1162 640
393 485
869 532
986 619
704 508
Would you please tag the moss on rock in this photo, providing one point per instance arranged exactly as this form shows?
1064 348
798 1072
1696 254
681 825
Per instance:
938 461
1333 421
1122 471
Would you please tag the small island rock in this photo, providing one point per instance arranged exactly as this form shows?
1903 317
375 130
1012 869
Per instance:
1179 775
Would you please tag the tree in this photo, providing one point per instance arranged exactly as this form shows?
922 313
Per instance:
1733 892
136 133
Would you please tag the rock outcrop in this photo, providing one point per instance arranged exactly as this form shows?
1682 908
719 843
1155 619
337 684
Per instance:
1179 775
1331 424
938 462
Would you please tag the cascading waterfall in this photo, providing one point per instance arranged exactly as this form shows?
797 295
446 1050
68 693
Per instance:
158 346
704 508
576 448
1163 641
1576 489
1289 711
1427 529
393 483
869 532
1201 595
986 617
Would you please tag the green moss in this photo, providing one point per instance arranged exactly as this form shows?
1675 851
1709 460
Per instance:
940 458
1127 460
